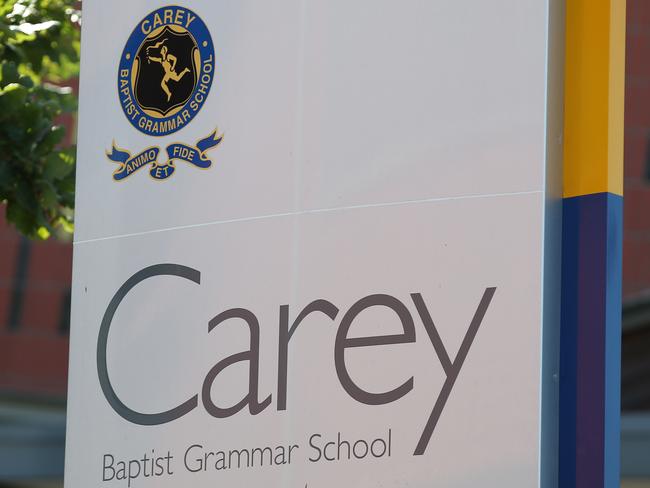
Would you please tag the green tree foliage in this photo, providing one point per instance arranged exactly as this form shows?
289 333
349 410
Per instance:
39 51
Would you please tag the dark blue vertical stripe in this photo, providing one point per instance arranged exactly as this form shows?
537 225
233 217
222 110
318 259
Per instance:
590 342
568 344
592 284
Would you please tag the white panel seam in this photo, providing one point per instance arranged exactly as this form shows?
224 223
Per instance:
314 211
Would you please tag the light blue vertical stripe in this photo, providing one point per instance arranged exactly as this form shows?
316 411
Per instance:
613 341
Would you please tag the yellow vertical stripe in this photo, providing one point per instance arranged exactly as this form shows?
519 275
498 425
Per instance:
594 97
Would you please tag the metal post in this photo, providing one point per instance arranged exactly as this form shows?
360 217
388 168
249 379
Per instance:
592 245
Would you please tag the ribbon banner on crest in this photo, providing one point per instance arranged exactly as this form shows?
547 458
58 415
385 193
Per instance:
129 164
195 155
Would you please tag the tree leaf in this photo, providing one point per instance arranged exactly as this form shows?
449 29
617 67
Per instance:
58 165
39 51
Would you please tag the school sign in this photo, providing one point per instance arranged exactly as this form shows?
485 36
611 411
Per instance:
360 287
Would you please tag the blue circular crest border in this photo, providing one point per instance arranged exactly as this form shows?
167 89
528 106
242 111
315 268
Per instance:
130 107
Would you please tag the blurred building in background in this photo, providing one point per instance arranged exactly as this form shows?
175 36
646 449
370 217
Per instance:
635 400
34 324
35 313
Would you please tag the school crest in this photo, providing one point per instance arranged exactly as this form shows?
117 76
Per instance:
165 75
166 71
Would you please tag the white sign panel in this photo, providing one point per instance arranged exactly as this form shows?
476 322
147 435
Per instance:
309 245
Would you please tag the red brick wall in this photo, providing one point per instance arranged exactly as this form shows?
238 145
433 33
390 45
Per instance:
636 247
33 344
